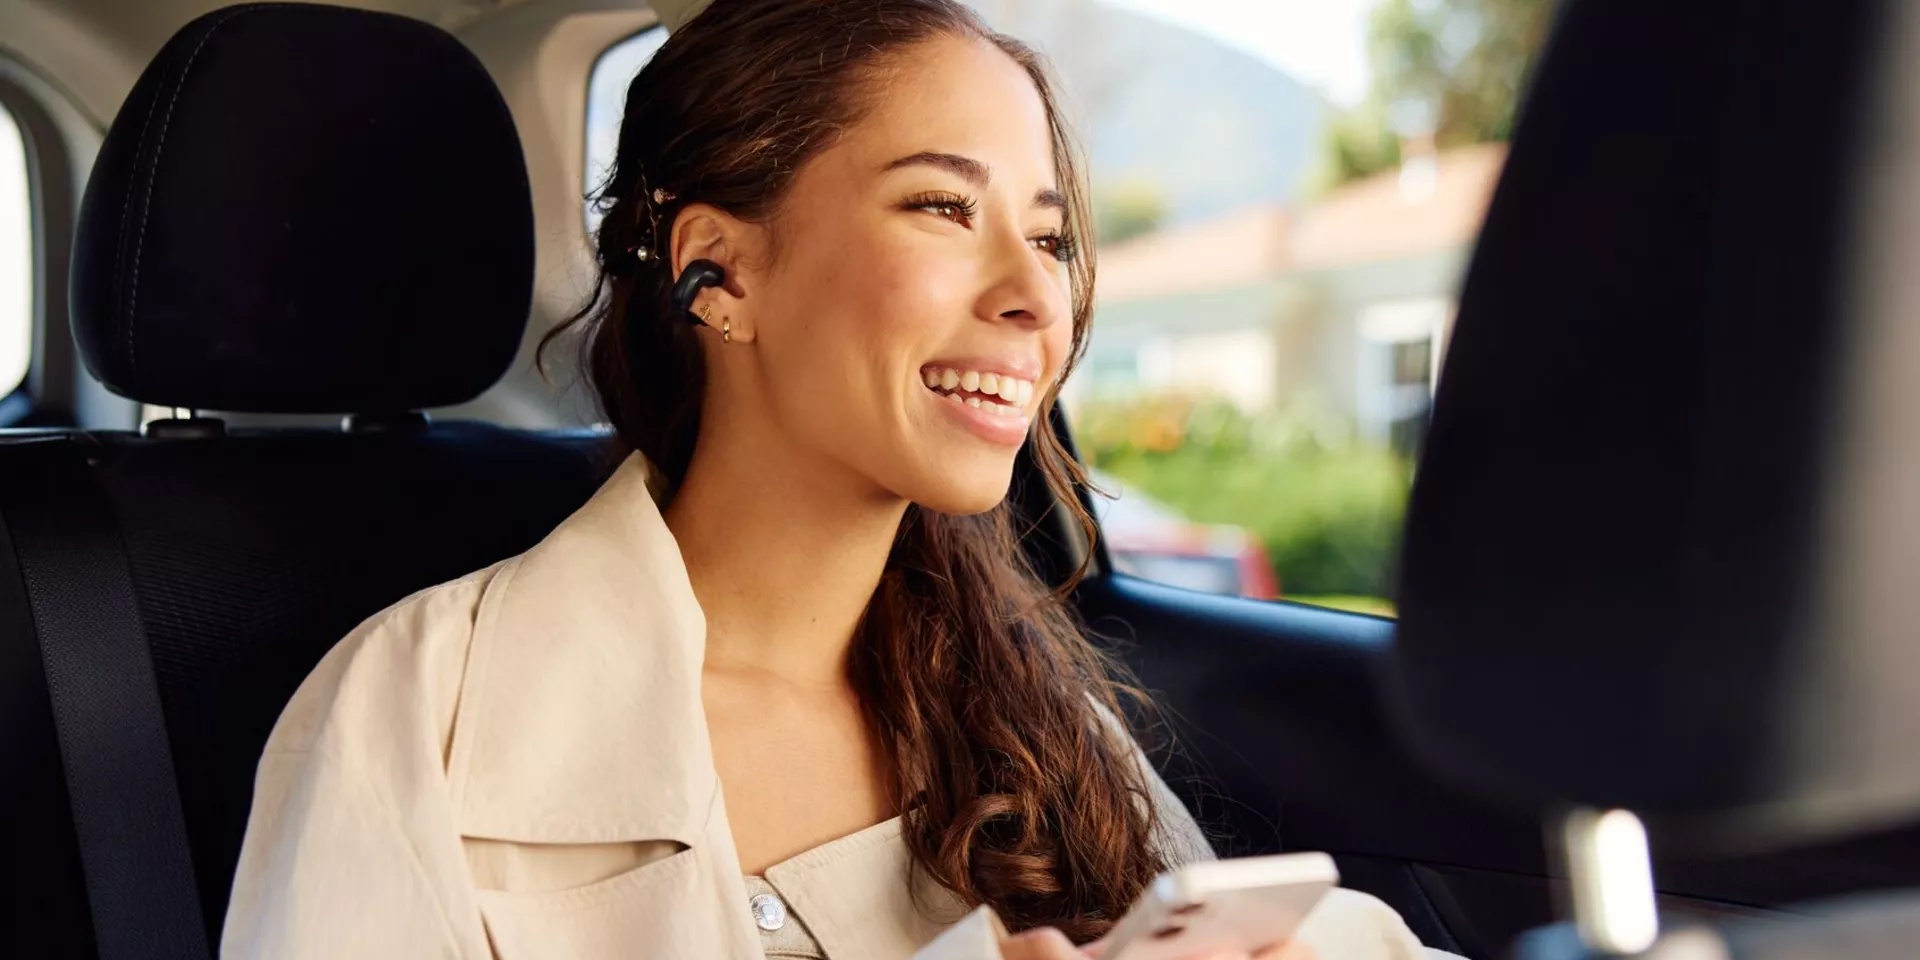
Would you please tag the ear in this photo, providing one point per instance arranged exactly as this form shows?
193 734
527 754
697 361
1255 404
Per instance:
706 232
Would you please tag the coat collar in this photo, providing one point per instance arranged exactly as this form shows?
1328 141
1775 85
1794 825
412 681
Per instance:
580 719
674 14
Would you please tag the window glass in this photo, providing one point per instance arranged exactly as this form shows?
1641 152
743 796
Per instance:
16 256
607 101
1285 194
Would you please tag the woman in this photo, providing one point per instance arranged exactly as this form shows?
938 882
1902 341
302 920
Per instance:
816 704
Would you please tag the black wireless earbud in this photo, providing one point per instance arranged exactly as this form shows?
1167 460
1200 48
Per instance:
698 275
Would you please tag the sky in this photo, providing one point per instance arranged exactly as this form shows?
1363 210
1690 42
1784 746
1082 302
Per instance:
1320 42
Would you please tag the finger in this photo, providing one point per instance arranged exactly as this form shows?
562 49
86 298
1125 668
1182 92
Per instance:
1044 943
1291 950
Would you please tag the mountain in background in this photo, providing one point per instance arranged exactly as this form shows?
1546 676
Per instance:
1206 126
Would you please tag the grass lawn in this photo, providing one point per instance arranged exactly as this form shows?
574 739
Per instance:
1378 606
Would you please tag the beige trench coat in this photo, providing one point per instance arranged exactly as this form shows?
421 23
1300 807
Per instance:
516 765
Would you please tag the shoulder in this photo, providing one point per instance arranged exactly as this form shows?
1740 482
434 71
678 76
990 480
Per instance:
393 681
348 815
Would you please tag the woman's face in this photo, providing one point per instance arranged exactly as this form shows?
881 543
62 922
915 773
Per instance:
916 309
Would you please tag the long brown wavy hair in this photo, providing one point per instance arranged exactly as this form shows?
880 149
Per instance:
975 676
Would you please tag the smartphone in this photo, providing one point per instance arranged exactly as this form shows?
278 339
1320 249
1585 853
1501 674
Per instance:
1247 904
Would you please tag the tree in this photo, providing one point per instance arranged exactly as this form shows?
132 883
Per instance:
1127 209
1449 69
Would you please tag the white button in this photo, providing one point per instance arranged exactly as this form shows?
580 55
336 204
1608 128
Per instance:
769 913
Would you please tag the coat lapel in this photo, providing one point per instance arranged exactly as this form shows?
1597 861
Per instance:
580 719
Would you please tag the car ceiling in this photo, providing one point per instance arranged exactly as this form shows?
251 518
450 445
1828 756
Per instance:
140 26
95 49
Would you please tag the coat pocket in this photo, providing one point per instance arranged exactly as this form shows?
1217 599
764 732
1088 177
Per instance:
665 909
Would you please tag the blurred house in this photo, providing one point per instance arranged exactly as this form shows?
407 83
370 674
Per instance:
1347 300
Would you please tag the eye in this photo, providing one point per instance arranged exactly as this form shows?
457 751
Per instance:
1057 245
946 206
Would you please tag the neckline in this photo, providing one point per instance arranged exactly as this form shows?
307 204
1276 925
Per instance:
821 854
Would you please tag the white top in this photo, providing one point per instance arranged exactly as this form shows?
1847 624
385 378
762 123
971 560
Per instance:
516 765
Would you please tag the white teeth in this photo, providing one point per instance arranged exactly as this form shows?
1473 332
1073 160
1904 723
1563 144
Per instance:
1012 393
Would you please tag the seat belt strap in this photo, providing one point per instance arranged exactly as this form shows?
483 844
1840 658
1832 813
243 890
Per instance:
106 708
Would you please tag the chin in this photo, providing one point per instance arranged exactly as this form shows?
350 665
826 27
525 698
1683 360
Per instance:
964 492
963 505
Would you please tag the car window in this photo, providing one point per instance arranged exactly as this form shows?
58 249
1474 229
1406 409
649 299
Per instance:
1285 195
16 256
607 101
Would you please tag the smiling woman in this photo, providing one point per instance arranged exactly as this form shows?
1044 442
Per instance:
788 684
876 248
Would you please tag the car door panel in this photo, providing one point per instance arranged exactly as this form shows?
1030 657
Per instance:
1280 736
1279 739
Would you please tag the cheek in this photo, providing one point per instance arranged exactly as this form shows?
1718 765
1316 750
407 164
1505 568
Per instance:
1057 338
1059 343
859 313
896 294
916 268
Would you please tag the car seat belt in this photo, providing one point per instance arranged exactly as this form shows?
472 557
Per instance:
106 710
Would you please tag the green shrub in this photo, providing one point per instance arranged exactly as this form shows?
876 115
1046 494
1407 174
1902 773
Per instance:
1328 513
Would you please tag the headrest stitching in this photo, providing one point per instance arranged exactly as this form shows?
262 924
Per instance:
153 173
126 220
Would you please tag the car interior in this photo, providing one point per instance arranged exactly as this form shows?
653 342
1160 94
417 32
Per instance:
1651 562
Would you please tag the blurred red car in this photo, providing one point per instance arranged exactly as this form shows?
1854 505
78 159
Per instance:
1148 539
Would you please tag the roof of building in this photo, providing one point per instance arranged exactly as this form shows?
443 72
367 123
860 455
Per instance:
1389 216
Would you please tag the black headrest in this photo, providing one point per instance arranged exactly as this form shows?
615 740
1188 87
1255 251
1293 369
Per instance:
1657 555
306 209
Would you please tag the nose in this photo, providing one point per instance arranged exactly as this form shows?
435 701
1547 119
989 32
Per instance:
1025 287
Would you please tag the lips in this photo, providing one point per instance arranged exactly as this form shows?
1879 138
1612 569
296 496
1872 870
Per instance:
992 405
994 393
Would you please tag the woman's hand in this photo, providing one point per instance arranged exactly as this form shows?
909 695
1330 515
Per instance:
1042 943
1047 943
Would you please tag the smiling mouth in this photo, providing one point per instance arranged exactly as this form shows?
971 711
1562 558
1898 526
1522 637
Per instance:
988 392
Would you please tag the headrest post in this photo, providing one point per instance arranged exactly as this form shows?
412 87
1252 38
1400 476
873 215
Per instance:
184 424
408 421
1610 872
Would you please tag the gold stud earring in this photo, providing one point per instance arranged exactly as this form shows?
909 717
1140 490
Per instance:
726 330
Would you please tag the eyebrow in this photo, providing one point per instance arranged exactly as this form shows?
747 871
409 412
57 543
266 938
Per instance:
974 172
